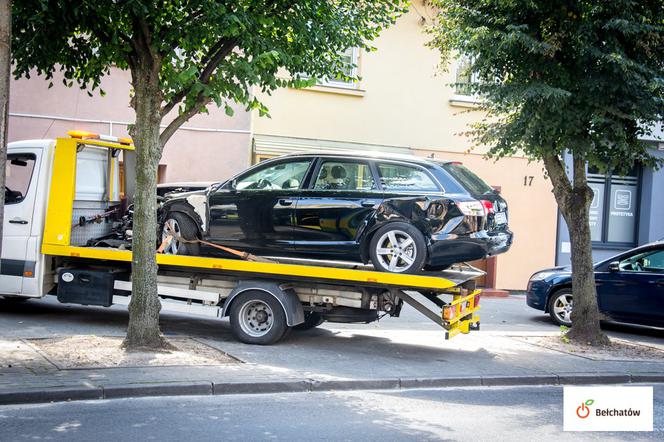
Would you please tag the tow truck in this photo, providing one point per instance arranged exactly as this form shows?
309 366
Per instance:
63 195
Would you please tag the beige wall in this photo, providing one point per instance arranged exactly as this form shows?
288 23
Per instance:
213 148
403 100
532 213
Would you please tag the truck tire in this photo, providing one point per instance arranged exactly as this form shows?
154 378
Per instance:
258 318
186 228
311 320
398 247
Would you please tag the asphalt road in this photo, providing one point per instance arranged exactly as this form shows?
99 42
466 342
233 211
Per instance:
527 413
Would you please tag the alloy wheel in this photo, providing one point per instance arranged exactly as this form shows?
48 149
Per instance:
562 307
396 251
171 228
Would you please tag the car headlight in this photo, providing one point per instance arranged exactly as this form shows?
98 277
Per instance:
541 275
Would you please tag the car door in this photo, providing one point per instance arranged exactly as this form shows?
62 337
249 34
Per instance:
255 211
635 290
334 210
20 192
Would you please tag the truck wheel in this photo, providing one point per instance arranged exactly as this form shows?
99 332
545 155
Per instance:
398 248
180 224
258 318
311 320
560 307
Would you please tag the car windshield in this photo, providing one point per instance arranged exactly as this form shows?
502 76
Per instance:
277 176
468 179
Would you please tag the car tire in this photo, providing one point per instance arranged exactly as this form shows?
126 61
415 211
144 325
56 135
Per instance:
311 320
258 318
187 229
560 307
408 257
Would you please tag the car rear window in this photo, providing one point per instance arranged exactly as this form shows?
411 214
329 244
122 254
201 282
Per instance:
467 179
405 178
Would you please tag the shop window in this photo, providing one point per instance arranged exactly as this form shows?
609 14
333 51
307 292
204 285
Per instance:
614 211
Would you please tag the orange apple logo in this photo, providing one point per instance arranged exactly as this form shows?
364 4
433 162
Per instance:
582 410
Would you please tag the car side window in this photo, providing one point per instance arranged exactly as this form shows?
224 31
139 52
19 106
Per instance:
652 261
18 176
344 175
405 178
281 176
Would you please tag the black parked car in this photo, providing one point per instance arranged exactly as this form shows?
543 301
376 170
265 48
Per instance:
402 213
630 288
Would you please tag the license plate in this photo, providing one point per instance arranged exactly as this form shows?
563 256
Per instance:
500 218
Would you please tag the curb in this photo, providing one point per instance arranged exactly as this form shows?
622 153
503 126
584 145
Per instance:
205 388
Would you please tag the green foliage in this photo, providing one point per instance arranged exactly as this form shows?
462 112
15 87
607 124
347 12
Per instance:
557 75
244 43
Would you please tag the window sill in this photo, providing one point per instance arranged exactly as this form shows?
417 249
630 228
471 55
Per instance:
340 90
465 101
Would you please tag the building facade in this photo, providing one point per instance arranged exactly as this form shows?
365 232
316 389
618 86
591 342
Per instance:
207 148
626 211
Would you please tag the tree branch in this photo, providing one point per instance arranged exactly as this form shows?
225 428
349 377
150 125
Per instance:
562 188
173 126
211 60
579 168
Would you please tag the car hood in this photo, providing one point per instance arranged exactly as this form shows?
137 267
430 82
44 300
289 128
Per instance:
184 195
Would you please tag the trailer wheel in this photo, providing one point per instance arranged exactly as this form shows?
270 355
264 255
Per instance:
311 320
178 224
258 318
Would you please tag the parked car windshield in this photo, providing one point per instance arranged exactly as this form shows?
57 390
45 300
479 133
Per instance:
285 175
468 179
405 178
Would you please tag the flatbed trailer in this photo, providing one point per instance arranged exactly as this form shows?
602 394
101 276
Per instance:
264 300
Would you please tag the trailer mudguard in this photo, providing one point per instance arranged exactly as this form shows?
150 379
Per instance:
286 297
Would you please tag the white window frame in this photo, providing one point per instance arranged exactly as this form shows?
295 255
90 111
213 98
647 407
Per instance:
474 78
355 58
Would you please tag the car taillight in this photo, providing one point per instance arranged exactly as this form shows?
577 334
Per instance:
488 206
471 208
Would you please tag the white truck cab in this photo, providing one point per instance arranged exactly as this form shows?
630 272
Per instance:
25 270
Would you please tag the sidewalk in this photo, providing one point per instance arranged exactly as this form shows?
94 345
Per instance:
319 360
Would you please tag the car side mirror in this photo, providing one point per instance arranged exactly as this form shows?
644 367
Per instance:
232 185
614 266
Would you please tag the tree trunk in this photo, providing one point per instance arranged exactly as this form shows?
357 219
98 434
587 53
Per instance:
574 204
143 329
5 72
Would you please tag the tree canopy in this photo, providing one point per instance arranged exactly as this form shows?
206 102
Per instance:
208 50
561 75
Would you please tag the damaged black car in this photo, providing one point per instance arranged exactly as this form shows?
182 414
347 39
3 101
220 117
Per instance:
401 213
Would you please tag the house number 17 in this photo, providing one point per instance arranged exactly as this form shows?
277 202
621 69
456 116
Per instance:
528 180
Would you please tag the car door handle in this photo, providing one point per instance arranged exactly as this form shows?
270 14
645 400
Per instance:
18 221
284 202
369 203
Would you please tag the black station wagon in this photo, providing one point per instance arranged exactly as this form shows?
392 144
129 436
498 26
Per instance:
401 213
